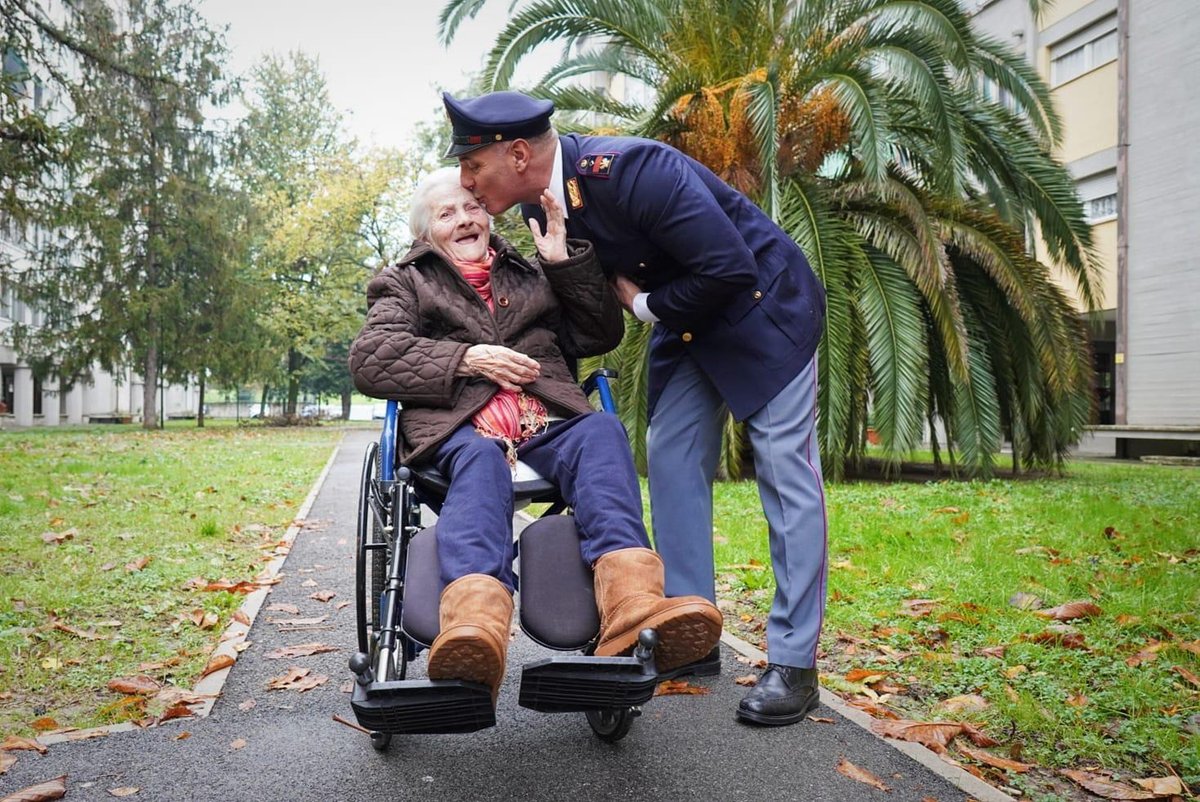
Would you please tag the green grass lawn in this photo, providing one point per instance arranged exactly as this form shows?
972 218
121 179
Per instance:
1117 690
81 608
922 582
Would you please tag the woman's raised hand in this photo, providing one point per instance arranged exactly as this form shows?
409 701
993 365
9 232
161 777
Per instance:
551 246
508 368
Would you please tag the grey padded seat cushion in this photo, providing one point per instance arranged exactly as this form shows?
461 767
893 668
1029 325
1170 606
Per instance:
558 606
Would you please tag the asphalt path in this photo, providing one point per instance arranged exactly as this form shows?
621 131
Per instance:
287 746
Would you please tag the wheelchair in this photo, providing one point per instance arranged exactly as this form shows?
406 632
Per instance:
398 587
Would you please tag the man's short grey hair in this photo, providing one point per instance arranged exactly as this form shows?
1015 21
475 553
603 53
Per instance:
420 210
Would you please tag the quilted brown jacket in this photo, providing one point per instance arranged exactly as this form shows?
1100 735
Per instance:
422 316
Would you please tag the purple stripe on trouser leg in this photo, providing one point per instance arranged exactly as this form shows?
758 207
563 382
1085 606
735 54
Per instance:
474 528
588 457
787 461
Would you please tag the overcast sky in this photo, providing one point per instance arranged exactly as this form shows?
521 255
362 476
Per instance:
382 61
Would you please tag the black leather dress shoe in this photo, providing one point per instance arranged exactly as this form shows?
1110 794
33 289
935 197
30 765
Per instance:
783 695
707 666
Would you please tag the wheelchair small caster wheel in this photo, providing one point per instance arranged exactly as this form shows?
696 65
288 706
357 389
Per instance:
380 741
611 726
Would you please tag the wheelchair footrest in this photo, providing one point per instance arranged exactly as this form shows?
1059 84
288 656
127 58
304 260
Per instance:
579 684
425 707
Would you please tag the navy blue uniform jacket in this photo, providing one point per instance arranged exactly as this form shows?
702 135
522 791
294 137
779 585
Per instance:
729 287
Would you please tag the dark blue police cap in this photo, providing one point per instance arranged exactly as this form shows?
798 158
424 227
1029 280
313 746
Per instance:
495 117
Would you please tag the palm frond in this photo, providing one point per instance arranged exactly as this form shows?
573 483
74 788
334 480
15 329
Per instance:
890 307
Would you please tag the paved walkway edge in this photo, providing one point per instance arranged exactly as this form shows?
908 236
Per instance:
235 634
964 780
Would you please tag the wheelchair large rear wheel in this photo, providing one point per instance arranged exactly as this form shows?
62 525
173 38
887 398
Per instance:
611 726
371 564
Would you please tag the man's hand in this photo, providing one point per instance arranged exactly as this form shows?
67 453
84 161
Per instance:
551 246
508 368
625 290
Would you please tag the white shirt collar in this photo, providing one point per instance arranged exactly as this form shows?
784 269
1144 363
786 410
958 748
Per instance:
557 188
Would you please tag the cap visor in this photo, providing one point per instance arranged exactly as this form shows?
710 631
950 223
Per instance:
456 150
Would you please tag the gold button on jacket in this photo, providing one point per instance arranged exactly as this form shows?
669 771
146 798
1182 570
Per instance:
686 337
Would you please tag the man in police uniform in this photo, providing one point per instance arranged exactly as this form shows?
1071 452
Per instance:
737 313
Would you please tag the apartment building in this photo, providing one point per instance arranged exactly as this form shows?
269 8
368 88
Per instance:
27 399
1123 75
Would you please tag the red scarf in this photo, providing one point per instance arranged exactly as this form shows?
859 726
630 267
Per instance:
512 417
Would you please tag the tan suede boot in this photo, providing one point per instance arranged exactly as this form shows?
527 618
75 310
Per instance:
629 593
475 616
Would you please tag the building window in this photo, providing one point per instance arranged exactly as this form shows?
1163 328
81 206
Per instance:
1100 209
1099 195
1093 47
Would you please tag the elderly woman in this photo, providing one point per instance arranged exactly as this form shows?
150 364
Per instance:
471 339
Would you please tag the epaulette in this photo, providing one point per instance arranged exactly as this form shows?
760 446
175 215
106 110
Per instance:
596 165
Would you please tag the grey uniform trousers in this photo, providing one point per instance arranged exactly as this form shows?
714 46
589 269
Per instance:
683 448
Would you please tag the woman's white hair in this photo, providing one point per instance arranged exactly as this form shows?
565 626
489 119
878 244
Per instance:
420 210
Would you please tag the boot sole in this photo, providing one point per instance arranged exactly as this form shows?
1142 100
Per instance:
686 633
470 654
766 720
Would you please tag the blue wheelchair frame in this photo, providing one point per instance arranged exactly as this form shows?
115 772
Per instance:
609 690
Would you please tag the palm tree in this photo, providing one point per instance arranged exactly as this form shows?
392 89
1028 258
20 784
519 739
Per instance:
864 129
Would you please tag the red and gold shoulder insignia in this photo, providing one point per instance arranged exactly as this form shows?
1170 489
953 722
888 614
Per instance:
597 165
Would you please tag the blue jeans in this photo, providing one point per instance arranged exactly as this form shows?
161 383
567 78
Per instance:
587 457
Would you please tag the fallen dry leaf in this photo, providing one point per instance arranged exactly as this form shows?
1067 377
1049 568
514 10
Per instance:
87 634
1147 655
6 761
918 608
217 663
296 679
174 712
237 744
322 595
1187 675
866 676
872 707
300 650
247 705
231 587
308 583
1024 601
44 724
1167 786
970 702
1071 611
993 651
1067 640
183 736
848 769
749 680
140 684
241 618
1101 785
124 790
137 565
14 743
678 687
987 758
202 619
935 735
819 719
58 538
42 792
